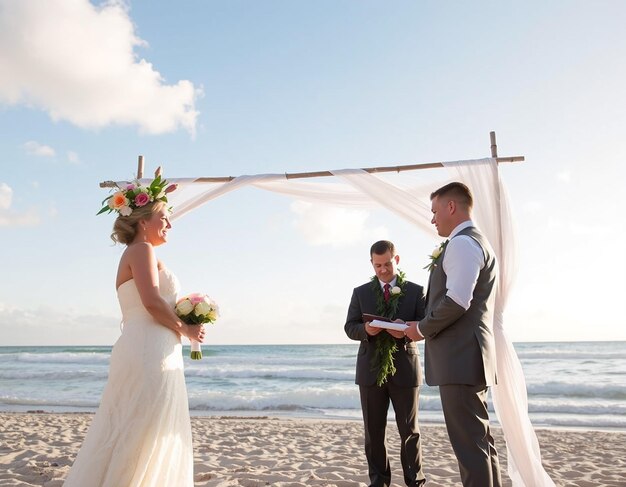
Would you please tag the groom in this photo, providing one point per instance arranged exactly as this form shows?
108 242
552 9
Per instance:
389 295
458 329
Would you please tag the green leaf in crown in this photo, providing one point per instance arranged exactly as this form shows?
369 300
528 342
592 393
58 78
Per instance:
383 359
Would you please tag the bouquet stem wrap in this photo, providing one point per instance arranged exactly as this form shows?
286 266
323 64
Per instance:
196 350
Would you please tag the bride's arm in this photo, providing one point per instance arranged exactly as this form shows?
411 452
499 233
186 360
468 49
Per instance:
144 268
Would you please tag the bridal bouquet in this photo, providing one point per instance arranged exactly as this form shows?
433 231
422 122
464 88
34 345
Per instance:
196 309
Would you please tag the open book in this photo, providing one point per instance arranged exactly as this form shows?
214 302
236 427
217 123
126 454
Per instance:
382 322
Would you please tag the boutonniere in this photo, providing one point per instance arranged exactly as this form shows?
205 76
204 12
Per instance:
435 255
389 308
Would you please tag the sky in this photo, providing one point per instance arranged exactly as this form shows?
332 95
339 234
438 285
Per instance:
232 87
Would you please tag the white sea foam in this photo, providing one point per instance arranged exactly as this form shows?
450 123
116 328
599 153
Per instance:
56 375
57 358
261 372
568 384
578 389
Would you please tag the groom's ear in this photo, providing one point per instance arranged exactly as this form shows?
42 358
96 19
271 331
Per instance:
396 258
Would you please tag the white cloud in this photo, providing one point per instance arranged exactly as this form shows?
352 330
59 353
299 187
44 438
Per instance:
564 177
6 196
77 62
19 219
43 325
532 207
34 148
579 229
329 225
72 157
11 218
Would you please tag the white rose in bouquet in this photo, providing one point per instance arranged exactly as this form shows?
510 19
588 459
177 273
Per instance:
202 308
184 307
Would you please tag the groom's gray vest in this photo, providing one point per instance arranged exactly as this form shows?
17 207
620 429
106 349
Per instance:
459 347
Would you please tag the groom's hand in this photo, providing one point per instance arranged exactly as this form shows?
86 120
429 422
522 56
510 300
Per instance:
372 330
412 332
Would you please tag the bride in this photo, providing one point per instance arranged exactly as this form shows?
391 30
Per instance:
141 433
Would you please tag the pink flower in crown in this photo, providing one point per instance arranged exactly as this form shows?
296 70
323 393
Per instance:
142 199
170 188
130 187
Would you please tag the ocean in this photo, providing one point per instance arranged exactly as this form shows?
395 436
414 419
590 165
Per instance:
570 384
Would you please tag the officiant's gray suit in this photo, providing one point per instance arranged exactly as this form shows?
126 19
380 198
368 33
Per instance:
402 389
459 357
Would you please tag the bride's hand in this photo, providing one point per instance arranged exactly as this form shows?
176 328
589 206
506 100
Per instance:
195 332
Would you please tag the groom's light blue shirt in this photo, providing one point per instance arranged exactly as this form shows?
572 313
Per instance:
462 263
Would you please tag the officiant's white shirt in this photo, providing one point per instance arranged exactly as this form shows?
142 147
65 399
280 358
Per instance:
392 283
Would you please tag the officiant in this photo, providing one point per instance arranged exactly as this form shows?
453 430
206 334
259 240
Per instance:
388 367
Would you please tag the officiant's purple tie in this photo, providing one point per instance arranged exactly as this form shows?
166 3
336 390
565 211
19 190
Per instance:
386 293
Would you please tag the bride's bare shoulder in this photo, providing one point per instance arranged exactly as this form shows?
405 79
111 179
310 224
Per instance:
135 251
138 247
138 256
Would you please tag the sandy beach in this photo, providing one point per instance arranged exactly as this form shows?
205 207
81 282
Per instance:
37 449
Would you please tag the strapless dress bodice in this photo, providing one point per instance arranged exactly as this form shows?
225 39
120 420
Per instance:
130 300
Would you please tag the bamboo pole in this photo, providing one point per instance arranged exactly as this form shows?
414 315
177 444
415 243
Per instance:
494 153
494 146
140 167
319 174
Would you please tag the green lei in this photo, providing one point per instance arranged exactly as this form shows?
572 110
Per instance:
386 347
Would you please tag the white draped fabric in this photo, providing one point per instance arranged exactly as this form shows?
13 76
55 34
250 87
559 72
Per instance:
491 214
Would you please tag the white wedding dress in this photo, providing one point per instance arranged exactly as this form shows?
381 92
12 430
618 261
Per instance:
141 434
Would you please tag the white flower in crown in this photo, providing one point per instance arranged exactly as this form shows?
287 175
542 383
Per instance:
396 290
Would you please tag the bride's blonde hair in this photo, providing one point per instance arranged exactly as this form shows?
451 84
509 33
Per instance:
125 227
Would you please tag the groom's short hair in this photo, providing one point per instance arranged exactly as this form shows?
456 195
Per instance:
381 247
456 191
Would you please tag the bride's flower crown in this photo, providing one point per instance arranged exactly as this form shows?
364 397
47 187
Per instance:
135 195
